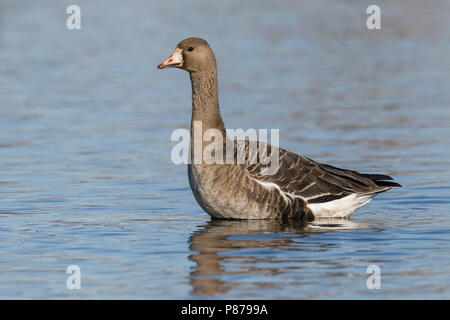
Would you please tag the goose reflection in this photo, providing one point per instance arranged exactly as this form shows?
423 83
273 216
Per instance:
250 247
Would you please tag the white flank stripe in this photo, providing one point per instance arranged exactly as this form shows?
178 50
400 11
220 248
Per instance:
270 186
340 208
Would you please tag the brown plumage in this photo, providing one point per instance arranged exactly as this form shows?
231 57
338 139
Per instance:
300 188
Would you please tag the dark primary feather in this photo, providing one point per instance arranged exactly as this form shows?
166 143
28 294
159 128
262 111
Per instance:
377 176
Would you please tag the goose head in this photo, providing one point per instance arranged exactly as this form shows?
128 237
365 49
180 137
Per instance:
192 55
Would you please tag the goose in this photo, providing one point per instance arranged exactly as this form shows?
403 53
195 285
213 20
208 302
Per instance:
301 188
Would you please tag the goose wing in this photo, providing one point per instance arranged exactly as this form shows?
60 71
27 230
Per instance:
315 182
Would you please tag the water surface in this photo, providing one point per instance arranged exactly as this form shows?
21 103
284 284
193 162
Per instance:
85 170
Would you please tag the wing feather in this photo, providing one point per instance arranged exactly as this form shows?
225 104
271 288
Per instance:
314 182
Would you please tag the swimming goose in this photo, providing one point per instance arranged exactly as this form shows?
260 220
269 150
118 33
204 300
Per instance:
300 188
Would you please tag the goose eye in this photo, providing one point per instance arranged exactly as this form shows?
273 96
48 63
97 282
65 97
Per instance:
190 49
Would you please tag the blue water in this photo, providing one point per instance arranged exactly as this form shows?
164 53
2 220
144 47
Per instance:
86 177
